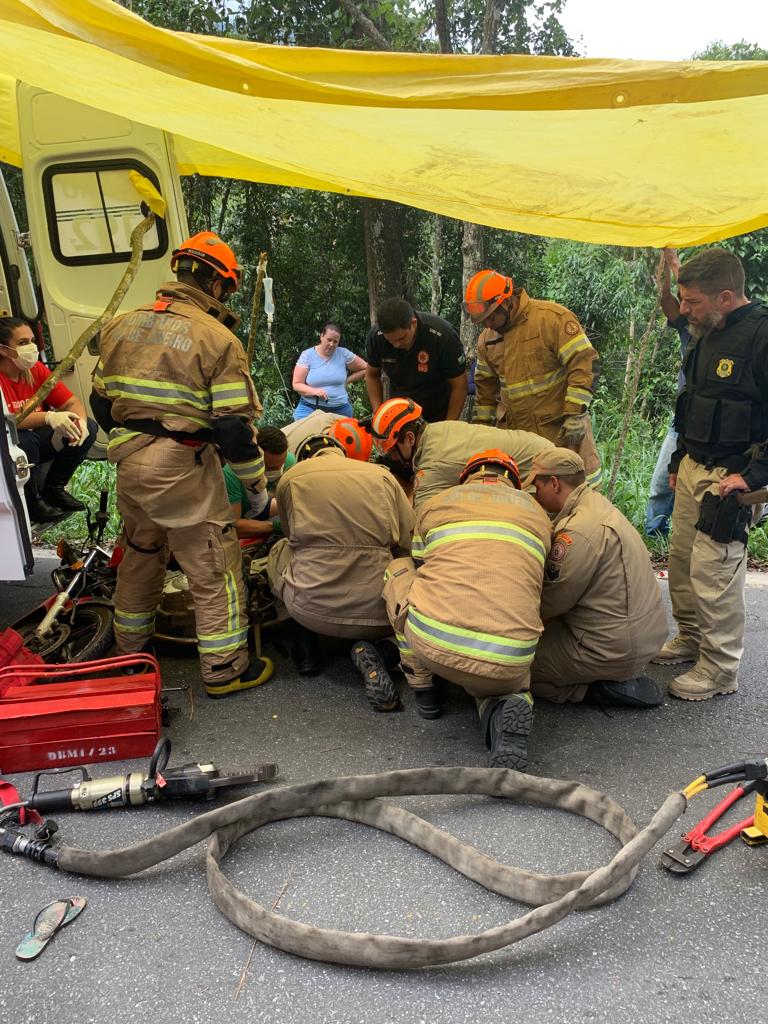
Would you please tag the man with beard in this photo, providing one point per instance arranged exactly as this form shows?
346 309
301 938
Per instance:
722 424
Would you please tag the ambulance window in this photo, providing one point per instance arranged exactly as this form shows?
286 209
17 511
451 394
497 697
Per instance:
92 210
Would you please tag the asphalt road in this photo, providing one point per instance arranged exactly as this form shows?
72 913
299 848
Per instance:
155 948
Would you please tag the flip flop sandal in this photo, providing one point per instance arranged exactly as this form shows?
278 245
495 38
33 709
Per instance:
48 921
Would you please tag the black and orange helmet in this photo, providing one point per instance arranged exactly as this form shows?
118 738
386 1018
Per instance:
355 438
486 290
492 457
390 419
206 247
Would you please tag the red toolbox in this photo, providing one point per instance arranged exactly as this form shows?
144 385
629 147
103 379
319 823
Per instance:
94 713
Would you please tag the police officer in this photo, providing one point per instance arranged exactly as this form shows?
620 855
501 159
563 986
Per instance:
535 366
722 424
470 611
435 454
602 612
172 382
423 358
343 520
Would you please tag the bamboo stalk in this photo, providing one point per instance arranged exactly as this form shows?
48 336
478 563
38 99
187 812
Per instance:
261 273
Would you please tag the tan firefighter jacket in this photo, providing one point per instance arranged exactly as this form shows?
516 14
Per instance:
599 579
444 448
176 362
343 521
539 371
475 600
317 422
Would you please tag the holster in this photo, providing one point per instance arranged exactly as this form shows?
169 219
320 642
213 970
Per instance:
724 519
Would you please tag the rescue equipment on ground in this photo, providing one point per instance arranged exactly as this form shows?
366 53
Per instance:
193 781
390 420
105 710
695 845
356 798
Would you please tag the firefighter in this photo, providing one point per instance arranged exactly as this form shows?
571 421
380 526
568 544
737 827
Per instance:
535 366
478 629
318 422
343 521
354 436
601 607
434 455
172 382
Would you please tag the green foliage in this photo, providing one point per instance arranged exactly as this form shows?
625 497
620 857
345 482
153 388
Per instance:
743 50
89 480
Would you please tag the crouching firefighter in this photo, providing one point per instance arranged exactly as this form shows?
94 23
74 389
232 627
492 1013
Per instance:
172 386
470 611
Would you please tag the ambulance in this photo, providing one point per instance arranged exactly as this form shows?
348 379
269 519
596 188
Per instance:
81 208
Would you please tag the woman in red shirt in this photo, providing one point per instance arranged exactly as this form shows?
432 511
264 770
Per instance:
59 432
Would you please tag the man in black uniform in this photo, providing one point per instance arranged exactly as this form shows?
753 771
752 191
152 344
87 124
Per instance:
722 424
423 358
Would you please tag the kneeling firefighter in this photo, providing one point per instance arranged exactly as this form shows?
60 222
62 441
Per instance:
466 605
172 386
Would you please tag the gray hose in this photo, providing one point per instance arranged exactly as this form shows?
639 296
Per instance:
357 798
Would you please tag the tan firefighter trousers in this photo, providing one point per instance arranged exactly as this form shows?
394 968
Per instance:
173 497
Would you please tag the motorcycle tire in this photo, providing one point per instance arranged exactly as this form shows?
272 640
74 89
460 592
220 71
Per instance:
84 635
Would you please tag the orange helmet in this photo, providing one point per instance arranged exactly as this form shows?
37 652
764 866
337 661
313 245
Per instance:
492 457
389 420
356 438
486 290
206 247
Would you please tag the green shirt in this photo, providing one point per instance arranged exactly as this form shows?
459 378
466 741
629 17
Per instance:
236 491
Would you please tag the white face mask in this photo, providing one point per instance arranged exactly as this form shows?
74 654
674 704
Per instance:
26 356
273 475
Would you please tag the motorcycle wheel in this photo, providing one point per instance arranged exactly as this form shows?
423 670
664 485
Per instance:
84 635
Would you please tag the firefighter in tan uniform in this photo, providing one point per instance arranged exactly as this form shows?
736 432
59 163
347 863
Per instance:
601 607
172 384
535 366
436 453
318 422
343 521
477 629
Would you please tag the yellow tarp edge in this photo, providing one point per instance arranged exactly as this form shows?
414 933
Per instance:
629 153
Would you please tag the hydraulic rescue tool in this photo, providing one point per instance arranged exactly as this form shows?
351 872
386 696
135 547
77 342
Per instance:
695 845
158 783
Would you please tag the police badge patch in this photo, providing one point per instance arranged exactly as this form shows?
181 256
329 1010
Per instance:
724 368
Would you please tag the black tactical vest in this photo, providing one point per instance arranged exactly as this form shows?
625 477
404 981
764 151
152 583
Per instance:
724 407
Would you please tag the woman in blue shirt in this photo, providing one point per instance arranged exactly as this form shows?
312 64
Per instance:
322 373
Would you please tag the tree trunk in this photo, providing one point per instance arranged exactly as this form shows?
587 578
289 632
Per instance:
473 259
437 255
383 225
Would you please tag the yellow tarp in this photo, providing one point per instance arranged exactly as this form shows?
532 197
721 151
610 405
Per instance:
623 152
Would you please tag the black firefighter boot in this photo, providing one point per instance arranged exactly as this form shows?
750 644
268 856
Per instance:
379 688
506 724
305 650
640 692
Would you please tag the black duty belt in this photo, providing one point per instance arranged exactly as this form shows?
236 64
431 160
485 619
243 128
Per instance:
154 427
731 463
